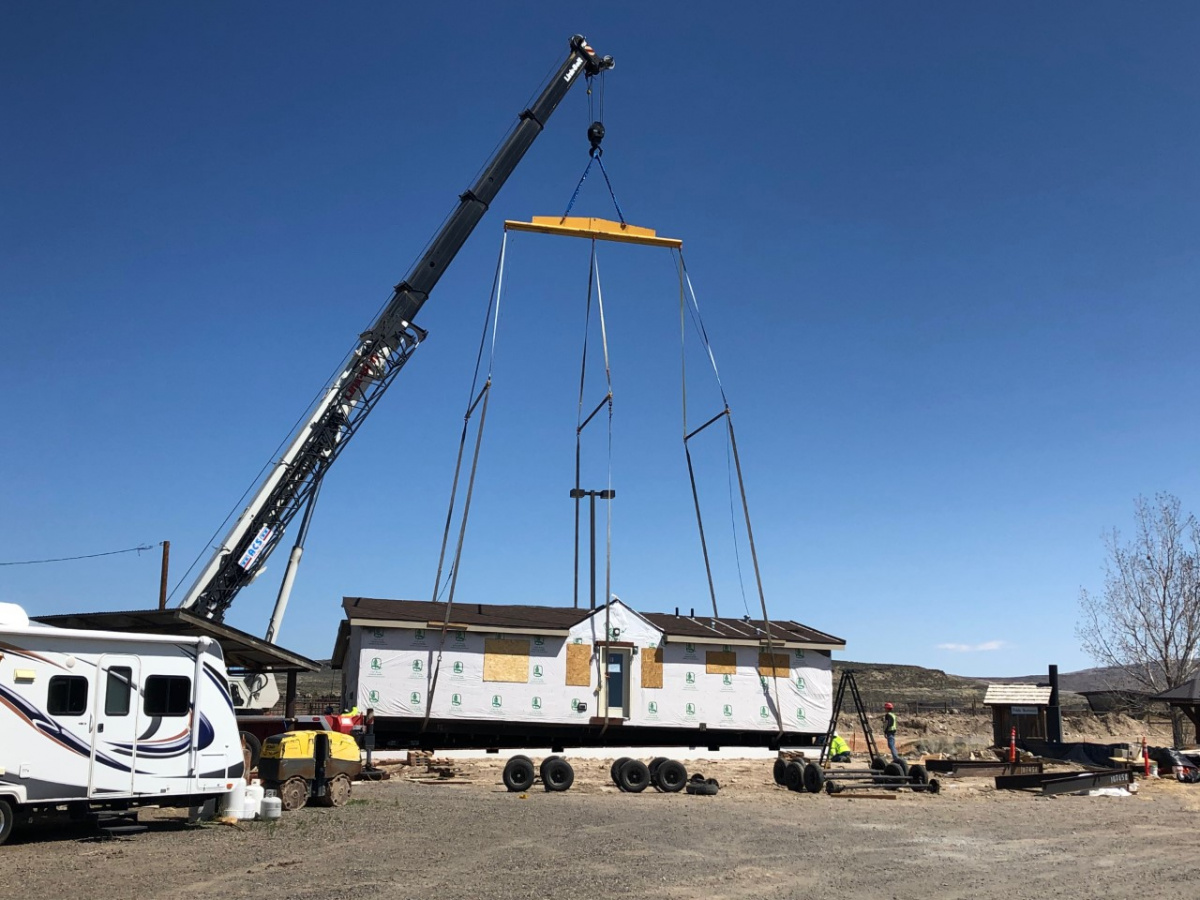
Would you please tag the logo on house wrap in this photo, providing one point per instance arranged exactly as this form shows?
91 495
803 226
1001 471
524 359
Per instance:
497 701
456 699
375 636
417 668
538 672
800 716
577 641
689 680
373 697
727 682
460 637
800 685
539 641
652 709
414 698
418 636
614 633
799 653
575 705
457 668
764 713
376 666
689 711
689 651
727 711
536 703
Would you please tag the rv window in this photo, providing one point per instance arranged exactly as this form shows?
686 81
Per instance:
67 695
117 691
168 695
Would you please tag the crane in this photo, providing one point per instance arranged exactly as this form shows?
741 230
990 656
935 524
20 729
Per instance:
292 482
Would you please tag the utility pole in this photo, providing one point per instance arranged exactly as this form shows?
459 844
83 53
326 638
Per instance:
162 585
579 494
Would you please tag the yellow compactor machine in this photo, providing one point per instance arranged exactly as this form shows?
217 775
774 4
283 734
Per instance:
304 766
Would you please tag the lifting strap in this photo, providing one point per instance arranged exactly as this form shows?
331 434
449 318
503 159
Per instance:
689 305
478 399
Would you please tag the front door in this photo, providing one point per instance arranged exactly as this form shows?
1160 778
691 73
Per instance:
614 699
115 737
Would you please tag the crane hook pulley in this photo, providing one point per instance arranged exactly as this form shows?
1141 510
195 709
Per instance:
595 135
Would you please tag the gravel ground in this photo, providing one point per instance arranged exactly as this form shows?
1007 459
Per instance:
400 839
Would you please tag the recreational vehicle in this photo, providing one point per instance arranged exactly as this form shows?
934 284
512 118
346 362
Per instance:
93 720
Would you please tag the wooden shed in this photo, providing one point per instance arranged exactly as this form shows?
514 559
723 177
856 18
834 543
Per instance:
1020 705
1186 698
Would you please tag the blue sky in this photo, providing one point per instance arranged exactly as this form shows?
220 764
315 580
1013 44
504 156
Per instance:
945 252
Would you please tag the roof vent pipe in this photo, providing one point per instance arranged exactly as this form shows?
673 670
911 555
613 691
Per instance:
692 614
677 611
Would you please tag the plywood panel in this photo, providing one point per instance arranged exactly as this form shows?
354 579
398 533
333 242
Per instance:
579 664
505 659
773 664
722 662
652 667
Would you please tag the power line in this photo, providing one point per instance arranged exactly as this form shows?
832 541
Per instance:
34 562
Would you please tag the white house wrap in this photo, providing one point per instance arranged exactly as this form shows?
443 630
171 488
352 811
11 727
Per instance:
557 669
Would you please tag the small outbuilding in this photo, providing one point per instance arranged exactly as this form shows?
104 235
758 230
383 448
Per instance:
1022 706
1186 698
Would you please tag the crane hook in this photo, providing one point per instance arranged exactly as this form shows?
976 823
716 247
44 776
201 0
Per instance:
595 135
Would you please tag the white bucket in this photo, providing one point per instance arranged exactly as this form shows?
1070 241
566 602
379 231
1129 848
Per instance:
272 806
233 804
254 799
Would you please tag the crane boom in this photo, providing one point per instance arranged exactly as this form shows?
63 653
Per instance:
373 364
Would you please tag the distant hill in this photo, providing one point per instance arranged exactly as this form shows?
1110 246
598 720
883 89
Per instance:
1105 678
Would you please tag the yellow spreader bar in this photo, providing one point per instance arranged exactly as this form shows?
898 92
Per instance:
599 229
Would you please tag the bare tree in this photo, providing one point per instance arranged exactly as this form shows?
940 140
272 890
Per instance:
1147 621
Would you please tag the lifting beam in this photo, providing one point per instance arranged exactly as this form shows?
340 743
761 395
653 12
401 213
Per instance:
596 229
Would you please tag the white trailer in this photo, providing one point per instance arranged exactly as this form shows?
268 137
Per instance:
520 676
94 720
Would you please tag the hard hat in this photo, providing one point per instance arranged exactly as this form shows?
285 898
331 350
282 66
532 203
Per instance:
887 706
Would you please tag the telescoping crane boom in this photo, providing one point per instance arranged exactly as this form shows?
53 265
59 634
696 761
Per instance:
380 354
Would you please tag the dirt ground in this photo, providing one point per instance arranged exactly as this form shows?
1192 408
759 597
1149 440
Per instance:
401 839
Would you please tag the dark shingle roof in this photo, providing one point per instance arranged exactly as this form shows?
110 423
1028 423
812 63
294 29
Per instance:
564 618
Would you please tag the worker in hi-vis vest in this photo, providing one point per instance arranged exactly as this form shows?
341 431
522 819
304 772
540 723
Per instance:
889 729
839 750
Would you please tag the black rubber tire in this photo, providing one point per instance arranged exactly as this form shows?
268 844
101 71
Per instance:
878 763
703 788
542 765
902 763
833 787
814 778
634 776
521 756
778 769
793 776
670 776
615 768
918 774
891 772
654 764
518 774
254 745
557 774
935 786
7 817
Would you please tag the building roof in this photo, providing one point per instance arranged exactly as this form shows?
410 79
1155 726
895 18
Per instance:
241 650
560 619
1018 694
1187 693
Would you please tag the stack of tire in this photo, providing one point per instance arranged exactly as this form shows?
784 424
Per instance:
633 776
556 774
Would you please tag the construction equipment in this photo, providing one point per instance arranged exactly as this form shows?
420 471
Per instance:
304 766
847 681
293 481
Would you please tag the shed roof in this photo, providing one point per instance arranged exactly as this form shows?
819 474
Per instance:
561 619
1187 693
241 650
1020 694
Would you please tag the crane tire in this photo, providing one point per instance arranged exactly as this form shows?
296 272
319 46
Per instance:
634 776
518 774
615 768
557 775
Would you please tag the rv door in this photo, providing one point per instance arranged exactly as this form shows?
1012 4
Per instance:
115 734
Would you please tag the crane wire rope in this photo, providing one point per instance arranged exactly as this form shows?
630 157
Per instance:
475 398
690 300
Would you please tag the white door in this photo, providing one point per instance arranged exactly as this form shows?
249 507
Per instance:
614 697
115 737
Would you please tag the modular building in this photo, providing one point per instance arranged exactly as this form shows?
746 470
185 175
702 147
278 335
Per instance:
510 676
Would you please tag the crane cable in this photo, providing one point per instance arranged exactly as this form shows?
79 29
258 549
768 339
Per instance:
689 302
595 134
474 400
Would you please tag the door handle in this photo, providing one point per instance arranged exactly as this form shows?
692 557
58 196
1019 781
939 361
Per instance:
100 727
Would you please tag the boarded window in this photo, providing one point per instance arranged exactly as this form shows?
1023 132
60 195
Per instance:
579 664
773 664
722 662
505 660
652 667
